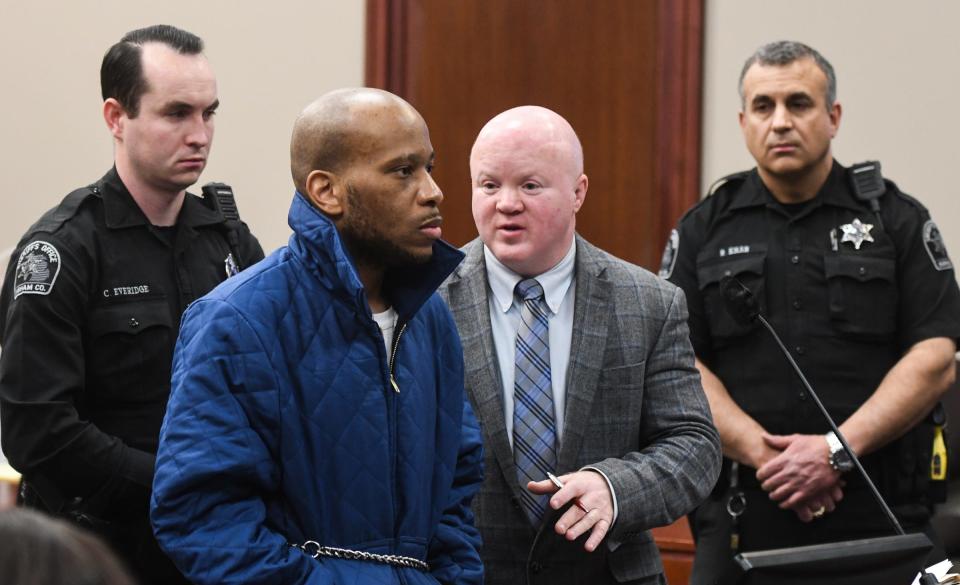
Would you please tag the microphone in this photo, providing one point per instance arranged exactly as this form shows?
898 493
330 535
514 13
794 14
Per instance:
742 305
739 301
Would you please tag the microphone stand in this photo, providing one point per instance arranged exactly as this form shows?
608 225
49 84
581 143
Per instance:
744 308
833 426
925 577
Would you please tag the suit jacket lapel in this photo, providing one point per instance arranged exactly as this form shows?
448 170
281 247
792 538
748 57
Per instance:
468 292
591 315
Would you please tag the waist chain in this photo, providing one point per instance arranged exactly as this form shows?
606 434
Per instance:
315 550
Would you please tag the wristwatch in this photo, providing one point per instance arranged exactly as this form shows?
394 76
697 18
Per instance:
839 458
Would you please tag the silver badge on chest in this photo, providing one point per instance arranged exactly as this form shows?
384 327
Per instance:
230 265
856 232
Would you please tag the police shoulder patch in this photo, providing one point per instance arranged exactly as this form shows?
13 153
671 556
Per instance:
37 269
933 242
669 259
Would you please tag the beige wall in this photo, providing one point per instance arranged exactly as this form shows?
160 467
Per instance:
898 81
271 59
896 62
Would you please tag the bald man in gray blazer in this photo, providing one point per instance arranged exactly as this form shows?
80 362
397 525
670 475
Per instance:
590 377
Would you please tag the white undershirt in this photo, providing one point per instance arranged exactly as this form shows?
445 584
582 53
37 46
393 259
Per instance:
387 320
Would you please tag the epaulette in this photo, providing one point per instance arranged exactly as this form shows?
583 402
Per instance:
732 180
869 184
910 199
52 220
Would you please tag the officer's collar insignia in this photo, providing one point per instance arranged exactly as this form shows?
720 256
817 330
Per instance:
37 269
856 232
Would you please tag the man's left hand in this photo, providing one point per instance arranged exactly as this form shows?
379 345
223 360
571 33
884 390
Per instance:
800 471
589 489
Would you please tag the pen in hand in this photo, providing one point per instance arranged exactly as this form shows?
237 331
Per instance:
556 481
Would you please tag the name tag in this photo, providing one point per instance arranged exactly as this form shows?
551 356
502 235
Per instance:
734 250
126 291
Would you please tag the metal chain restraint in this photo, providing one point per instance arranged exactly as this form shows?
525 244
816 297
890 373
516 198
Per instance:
313 549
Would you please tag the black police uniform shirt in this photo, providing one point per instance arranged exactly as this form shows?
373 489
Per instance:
89 314
849 295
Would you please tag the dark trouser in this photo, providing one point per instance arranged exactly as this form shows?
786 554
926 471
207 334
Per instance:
765 526
138 549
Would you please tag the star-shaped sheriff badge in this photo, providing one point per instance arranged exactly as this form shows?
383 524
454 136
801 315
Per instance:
856 232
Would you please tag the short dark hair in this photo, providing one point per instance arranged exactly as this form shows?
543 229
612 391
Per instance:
780 53
121 73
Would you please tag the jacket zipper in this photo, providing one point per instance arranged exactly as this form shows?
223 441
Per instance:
393 357
393 432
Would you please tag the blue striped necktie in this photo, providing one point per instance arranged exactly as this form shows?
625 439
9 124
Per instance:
534 430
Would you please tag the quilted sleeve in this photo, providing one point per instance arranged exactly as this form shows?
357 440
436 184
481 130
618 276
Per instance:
454 554
217 458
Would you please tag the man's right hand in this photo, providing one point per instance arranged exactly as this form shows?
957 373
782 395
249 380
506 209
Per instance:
819 504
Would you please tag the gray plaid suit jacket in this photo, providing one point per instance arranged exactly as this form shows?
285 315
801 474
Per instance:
635 410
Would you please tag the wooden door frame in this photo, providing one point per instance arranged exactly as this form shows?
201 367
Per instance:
679 91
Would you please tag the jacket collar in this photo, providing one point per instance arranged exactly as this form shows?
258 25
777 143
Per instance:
121 211
835 191
317 243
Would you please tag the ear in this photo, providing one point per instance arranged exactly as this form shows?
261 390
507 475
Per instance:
580 192
324 194
836 110
115 116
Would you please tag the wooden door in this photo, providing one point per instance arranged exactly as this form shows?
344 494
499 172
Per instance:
625 73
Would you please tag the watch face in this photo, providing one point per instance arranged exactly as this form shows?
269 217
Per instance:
840 460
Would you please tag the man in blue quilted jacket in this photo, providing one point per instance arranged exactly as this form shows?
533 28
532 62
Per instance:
317 430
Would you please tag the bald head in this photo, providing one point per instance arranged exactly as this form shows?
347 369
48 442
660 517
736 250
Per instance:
526 167
532 127
338 126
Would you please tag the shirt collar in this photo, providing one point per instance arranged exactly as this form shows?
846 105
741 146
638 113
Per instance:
834 191
121 210
555 281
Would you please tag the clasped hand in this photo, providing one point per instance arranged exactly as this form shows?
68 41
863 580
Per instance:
800 477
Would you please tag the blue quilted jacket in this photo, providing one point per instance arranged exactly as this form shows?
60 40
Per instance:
284 426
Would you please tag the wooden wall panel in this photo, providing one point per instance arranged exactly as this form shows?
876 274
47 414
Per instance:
625 73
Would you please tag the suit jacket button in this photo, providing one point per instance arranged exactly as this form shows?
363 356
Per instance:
535 567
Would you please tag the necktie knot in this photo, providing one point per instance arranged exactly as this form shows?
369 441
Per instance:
528 290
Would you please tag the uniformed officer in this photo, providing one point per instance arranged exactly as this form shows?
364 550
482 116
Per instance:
92 298
854 276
